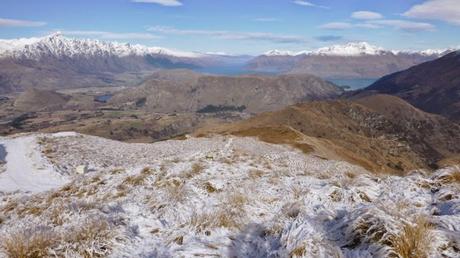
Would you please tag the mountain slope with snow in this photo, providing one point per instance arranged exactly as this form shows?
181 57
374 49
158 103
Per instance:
358 60
56 62
59 46
226 197
356 49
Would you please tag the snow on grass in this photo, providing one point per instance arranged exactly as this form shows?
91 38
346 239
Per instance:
230 197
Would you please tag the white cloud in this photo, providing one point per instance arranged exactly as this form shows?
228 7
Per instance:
406 25
231 35
377 24
337 26
109 35
366 15
308 4
160 2
20 23
444 10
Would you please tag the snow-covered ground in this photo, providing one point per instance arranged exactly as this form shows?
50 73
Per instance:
218 197
25 168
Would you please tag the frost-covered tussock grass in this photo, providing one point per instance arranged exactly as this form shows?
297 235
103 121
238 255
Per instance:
231 197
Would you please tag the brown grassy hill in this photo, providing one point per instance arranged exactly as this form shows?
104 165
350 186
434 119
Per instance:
432 86
367 131
38 100
207 93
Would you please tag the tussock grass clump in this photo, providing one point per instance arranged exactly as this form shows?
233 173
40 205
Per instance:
298 191
297 252
29 243
176 190
197 168
451 178
134 180
228 214
414 240
255 174
139 179
95 233
210 188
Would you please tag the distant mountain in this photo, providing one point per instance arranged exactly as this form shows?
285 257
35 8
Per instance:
349 61
432 86
184 91
378 132
58 62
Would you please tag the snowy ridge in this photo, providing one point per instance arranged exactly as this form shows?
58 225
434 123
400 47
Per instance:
356 49
59 46
226 197
350 49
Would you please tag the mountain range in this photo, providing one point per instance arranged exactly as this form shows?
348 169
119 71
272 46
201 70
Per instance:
349 61
56 62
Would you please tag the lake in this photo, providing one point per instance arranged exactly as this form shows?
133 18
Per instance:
103 98
354 84
2 154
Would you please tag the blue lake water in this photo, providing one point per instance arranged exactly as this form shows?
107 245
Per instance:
103 98
354 84
2 153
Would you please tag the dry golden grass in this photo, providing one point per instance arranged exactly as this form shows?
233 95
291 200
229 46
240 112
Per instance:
197 168
229 214
451 178
297 252
276 135
414 240
209 188
134 180
298 191
255 173
29 244
176 191
117 171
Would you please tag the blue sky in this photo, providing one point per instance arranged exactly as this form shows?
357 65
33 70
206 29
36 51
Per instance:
240 26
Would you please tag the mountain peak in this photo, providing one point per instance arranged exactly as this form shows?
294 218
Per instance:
58 45
350 49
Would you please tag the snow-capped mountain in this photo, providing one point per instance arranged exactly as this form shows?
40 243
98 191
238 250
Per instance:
56 61
59 46
355 49
356 60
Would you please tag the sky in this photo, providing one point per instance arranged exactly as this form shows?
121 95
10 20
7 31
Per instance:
240 26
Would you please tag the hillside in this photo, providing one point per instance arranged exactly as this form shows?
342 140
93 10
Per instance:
380 133
37 100
221 196
207 93
432 86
